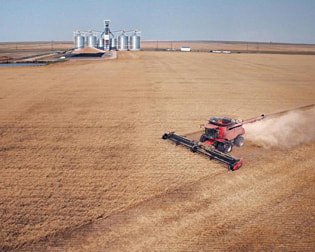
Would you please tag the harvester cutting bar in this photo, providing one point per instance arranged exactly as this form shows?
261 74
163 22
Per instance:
194 146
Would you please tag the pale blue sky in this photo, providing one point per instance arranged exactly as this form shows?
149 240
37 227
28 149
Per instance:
289 21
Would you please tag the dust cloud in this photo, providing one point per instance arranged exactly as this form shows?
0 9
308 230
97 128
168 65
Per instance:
284 131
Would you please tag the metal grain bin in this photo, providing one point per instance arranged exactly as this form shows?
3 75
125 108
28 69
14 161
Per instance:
100 43
134 42
79 42
113 44
91 41
122 42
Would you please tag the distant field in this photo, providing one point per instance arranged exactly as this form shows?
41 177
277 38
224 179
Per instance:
233 46
18 50
83 166
25 49
49 45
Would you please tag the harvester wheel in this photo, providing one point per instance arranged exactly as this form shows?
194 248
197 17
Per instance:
225 147
165 136
239 141
203 138
194 148
228 147
220 147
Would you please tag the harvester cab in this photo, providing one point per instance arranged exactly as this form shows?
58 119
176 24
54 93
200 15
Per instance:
223 133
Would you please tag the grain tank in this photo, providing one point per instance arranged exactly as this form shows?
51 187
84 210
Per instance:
79 41
91 40
134 42
100 43
113 43
122 42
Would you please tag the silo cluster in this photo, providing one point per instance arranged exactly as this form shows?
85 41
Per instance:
82 40
107 40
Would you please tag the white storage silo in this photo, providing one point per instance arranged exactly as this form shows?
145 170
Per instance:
122 42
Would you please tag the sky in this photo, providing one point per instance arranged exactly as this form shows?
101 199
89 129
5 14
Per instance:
288 21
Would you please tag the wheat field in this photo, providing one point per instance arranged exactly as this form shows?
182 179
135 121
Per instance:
83 166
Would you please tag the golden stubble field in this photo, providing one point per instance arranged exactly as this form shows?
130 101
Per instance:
83 166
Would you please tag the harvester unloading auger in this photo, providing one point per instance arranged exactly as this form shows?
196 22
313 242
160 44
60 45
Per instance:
220 135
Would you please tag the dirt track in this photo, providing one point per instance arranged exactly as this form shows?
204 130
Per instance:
83 166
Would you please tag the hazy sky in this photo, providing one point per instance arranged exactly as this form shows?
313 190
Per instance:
290 21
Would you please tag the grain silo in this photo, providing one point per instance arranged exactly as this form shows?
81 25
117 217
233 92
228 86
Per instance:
91 40
122 42
100 44
134 42
113 44
79 41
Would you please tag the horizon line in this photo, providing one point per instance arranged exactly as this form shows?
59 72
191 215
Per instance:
161 40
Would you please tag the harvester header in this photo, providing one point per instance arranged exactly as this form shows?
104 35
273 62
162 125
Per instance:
232 162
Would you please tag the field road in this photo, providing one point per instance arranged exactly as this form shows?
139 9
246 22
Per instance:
83 166
40 57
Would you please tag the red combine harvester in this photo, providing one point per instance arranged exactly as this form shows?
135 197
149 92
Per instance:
220 135
223 133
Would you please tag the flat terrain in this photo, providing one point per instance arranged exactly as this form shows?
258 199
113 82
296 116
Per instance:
28 50
231 46
20 50
83 166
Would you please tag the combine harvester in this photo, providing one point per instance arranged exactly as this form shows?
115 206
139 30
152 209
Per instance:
223 133
220 135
